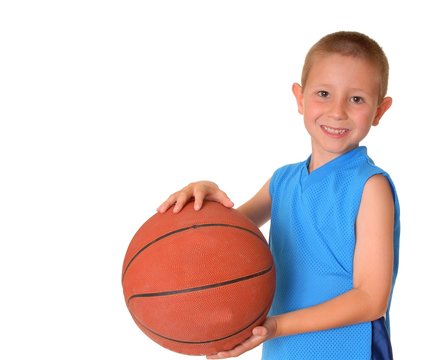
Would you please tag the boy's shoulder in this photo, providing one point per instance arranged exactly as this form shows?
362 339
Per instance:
368 165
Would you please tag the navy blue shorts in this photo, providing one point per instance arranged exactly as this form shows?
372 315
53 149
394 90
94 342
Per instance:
381 345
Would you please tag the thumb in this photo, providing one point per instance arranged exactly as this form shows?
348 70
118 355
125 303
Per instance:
228 203
260 331
222 198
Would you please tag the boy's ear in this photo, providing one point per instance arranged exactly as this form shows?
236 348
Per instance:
381 109
297 92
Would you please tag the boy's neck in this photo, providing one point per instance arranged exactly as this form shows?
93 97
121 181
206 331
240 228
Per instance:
320 158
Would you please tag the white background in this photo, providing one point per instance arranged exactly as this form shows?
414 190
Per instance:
106 107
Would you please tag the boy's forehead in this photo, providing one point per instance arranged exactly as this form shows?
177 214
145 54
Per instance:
338 64
336 69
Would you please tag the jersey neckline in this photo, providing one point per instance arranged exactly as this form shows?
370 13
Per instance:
326 169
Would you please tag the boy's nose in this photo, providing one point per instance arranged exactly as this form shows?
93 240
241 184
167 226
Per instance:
338 110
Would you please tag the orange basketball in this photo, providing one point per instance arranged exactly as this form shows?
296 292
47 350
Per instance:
198 282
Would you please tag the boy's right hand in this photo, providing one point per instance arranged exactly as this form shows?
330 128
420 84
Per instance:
200 191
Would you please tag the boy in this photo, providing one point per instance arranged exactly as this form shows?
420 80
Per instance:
334 217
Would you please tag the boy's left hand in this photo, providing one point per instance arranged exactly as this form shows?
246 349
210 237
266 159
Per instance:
259 334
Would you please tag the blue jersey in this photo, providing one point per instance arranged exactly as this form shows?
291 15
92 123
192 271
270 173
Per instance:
312 238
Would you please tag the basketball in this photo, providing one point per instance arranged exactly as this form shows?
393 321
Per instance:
198 282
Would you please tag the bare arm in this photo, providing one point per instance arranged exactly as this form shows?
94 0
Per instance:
373 268
372 274
258 208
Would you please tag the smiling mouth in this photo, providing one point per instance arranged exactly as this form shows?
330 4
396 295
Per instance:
333 131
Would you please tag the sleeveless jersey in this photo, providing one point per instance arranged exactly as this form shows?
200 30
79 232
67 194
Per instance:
312 239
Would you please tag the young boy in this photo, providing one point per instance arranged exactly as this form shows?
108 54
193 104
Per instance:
334 217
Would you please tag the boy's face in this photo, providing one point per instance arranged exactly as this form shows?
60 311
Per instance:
340 103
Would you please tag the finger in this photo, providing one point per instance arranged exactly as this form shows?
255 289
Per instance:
238 350
181 200
166 204
247 345
228 203
220 355
260 331
199 195
198 202
222 198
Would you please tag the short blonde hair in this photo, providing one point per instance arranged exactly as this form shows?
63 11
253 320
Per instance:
350 43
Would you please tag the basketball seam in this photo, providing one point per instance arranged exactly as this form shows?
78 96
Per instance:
203 287
185 229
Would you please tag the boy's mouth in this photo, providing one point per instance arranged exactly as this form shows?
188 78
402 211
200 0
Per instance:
333 131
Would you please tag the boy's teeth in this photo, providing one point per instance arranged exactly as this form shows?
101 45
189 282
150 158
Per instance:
334 131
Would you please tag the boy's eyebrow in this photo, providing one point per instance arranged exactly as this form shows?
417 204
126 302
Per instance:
358 89
326 85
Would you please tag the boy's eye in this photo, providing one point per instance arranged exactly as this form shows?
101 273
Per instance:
322 93
356 99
